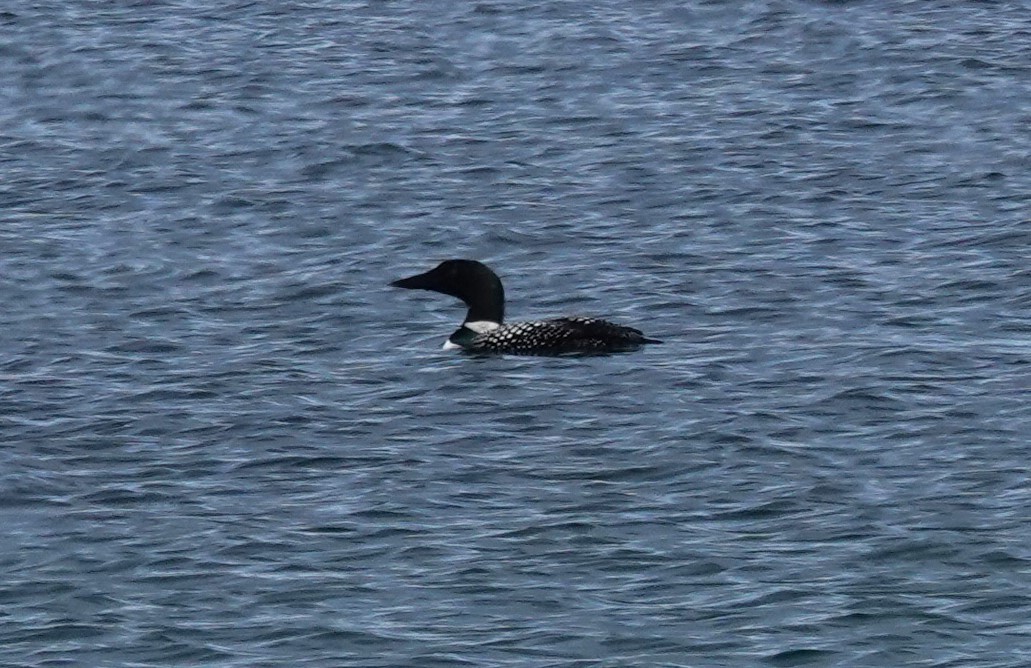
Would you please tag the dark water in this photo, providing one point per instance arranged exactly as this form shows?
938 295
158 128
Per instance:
227 443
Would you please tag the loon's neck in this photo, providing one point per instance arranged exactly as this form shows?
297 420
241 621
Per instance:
487 310
481 290
467 333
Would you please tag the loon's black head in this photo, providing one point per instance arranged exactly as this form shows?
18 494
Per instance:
471 281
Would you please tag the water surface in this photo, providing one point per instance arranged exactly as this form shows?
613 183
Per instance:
227 442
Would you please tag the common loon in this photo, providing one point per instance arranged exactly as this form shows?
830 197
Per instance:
482 330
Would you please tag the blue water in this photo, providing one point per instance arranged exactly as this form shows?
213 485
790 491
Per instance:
226 442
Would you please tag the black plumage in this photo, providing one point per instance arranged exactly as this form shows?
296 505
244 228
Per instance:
559 335
483 330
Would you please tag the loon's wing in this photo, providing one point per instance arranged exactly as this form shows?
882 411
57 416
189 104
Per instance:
596 329
557 336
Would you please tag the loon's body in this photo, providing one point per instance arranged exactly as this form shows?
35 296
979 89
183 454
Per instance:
483 329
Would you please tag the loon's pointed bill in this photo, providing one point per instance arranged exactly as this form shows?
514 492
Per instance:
483 329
